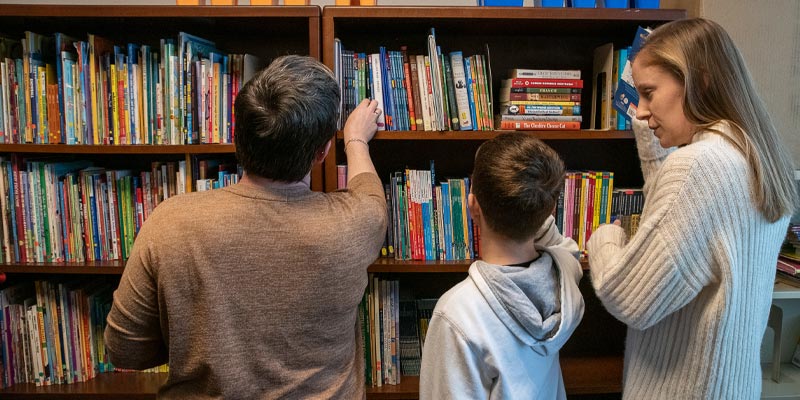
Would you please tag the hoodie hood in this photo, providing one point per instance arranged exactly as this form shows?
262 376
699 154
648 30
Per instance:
541 303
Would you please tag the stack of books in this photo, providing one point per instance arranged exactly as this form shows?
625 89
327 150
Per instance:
541 99
789 257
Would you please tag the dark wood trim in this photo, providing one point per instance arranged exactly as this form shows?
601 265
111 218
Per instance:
531 13
110 11
106 386
88 268
120 149
389 265
587 134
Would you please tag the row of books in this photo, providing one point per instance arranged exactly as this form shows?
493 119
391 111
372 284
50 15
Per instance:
539 99
429 221
589 200
393 328
58 89
52 333
431 92
74 211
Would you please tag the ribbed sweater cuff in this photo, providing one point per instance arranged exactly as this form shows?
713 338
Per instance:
604 245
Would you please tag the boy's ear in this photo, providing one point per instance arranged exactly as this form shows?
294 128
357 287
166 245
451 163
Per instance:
474 208
320 156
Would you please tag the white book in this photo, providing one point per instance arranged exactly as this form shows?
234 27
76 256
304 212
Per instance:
425 113
545 73
436 83
377 87
460 82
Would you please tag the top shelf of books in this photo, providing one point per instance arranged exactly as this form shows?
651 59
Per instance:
166 11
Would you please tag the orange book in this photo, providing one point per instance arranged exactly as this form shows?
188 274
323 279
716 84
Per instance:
190 2
274 2
224 2
285 2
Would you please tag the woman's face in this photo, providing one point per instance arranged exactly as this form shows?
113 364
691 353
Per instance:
661 103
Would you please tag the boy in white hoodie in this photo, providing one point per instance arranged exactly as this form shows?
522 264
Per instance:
497 334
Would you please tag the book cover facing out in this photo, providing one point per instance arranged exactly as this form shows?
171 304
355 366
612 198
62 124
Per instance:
626 99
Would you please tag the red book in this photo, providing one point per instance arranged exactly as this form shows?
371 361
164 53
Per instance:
556 83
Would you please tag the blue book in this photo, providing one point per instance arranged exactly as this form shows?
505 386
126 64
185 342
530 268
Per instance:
64 44
626 99
133 95
470 89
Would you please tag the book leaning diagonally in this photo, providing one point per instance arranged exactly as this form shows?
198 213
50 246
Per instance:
460 83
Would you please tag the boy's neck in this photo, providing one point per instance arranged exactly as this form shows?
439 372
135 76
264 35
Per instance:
500 250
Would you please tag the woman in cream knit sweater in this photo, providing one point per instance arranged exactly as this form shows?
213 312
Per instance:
694 284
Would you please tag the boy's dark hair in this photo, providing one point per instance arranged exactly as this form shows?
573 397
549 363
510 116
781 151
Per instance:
284 117
516 180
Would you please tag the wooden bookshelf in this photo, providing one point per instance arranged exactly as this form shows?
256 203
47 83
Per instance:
84 268
546 38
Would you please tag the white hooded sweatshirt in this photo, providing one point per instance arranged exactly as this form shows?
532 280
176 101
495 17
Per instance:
497 334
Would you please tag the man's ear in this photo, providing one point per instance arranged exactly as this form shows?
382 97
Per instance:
320 156
474 208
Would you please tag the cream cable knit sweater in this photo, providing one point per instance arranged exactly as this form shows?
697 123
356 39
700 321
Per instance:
694 285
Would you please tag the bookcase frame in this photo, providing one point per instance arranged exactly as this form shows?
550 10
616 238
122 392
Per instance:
266 32
546 38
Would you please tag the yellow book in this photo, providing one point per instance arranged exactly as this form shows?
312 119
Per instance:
93 94
114 101
582 210
41 101
190 2
598 189
224 2
368 2
342 2
285 2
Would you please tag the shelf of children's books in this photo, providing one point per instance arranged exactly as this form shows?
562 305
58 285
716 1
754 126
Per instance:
390 265
588 134
105 386
81 268
120 149
582 375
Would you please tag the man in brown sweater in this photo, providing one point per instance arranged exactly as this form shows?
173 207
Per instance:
251 291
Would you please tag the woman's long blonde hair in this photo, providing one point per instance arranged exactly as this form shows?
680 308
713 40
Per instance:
701 54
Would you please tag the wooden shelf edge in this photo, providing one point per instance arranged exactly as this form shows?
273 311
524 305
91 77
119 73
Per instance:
149 11
117 149
586 134
105 386
444 12
390 265
86 268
